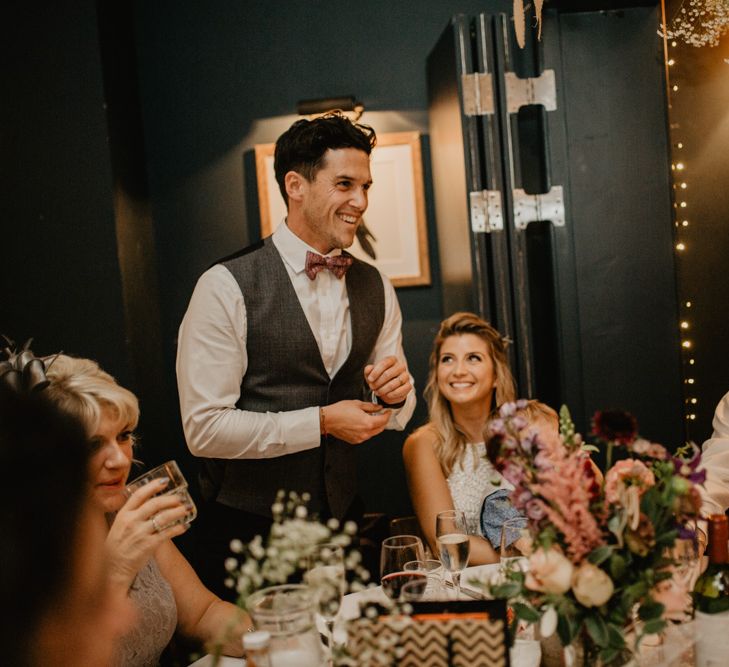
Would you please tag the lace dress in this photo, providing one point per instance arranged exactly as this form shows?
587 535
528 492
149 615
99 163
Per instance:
156 621
471 480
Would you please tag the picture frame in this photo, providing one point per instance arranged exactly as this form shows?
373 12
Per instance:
395 216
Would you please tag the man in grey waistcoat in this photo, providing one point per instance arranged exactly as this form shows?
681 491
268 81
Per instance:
282 345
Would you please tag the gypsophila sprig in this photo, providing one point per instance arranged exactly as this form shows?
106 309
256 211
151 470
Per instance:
281 557
700 22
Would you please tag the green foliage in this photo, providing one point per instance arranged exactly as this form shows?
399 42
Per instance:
600 555
650 610
525 612
597 629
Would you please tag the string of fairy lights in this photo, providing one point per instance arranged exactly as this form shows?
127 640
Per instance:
683 223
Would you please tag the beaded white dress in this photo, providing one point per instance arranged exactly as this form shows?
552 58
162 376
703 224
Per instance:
471 480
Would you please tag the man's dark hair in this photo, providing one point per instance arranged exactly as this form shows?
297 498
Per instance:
44 456
302 147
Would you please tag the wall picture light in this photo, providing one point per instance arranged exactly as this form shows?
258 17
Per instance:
348 104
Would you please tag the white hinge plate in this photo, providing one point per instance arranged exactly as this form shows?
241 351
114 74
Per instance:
478 94
530 208
486 213
538 90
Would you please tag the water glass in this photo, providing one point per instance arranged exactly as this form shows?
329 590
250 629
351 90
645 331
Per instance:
395 552
325 577
453 542
287 612
414 591
177 485
433 570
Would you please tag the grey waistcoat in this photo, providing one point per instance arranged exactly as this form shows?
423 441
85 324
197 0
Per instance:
286 372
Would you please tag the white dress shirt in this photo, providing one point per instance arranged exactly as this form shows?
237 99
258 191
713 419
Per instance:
212 359
715 459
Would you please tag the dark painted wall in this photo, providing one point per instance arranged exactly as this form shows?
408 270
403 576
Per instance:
59 274
208 73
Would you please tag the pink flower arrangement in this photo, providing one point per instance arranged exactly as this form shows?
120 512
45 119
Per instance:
600 547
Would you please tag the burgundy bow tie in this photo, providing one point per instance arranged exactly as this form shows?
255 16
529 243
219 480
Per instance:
338 264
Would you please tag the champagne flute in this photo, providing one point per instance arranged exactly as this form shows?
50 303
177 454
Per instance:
395 552
325 576
453 544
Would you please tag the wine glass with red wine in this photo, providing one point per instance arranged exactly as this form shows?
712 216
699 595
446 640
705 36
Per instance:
395 552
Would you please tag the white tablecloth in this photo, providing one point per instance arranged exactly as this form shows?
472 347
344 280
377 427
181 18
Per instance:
675 651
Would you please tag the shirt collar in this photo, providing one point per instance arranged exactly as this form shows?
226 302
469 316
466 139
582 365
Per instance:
293 249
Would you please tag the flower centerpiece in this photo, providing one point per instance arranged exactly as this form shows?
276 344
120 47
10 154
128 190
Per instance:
600 556
297 542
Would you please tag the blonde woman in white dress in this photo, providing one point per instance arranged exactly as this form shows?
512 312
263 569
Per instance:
445 460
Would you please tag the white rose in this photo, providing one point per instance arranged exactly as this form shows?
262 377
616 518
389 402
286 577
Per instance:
549 572
591 585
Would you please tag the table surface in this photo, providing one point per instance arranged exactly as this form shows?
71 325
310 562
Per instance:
675 649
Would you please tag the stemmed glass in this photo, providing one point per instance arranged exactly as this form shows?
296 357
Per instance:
395 552
452 534
325 576
512 538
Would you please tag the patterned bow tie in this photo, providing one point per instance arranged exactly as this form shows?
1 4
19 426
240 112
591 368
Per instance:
338 264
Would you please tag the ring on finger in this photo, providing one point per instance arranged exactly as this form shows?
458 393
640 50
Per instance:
155 527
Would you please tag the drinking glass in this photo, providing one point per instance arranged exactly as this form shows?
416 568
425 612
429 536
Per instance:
433 570
177 485
685 553
512 531
453 543
413 591
288 613
395 552
325 577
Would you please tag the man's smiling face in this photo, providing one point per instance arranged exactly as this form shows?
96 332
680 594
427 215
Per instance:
334 201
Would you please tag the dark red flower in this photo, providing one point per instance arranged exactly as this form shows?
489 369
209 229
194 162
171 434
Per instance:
616 425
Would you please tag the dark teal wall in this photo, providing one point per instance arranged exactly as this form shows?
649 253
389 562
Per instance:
59 272
211 74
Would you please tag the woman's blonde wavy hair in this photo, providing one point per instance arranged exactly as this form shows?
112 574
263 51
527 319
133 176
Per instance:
451 442
81 389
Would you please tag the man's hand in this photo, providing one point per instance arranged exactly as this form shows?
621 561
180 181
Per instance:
389 379
354 421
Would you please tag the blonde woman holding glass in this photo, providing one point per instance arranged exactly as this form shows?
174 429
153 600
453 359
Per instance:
143 564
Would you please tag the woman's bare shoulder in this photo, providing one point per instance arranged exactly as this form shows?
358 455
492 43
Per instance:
422 439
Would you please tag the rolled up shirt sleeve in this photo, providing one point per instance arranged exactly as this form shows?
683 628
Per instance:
211 360
715 460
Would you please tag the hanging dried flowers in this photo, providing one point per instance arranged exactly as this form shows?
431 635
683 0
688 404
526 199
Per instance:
520 11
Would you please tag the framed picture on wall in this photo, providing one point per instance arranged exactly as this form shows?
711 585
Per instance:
393 235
